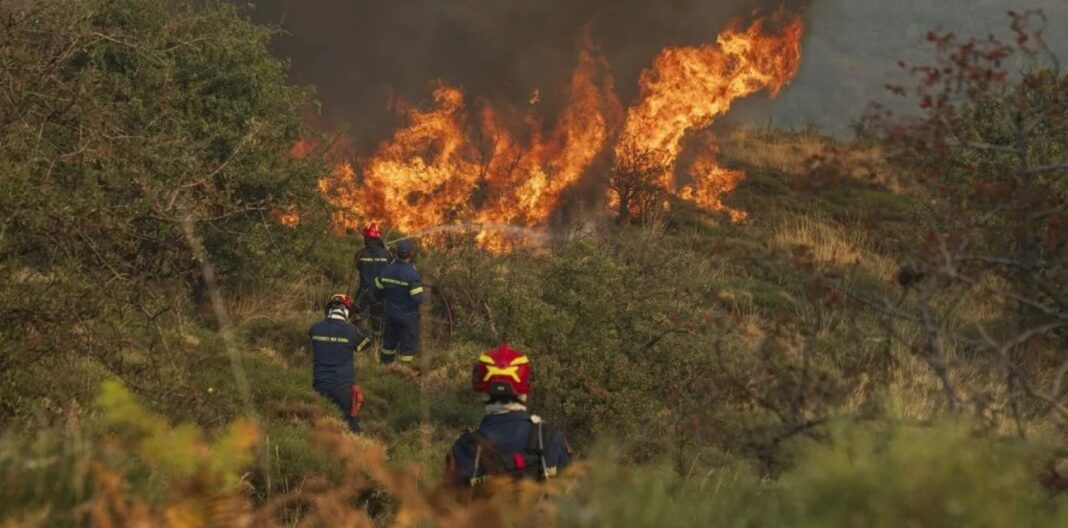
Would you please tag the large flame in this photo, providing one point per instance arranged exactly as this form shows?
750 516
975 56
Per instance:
463 161
445 167
687 88
526 180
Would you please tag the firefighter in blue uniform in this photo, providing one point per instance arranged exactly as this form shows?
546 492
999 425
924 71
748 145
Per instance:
400 288
369 263
334 343
510 441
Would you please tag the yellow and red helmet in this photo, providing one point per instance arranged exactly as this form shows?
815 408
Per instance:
502 371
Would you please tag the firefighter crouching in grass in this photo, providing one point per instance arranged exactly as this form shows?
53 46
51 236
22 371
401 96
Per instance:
334 344
401 289
510 441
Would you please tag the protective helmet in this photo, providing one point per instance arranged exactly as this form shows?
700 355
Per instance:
371 231
338 302
502 371
405 248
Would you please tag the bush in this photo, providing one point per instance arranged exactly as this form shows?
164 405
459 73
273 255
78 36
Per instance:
137 132
943 475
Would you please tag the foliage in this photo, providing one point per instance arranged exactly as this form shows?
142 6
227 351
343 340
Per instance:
639 331
945 475
856 478
989 147
766 373
131 133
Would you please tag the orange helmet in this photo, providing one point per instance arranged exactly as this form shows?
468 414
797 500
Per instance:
502 371
372 231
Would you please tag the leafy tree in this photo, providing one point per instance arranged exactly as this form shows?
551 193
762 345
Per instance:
130 132
989 145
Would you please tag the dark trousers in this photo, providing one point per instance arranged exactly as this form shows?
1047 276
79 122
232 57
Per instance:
375 312
341 395
401 338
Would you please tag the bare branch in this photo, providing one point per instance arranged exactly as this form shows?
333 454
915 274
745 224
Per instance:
1000 261
936 358
1047 310
991 148
1003 349
1041 169
1020 339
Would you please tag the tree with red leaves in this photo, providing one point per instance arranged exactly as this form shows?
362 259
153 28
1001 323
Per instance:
988 144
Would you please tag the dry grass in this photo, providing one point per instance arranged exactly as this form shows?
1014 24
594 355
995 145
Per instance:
978 304
800 154
284 301
831 244
788 154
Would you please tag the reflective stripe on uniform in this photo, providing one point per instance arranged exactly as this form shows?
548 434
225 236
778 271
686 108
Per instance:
550 471
417 291
387 280
363 345
388 352
407 359
373 259
378 283
329 339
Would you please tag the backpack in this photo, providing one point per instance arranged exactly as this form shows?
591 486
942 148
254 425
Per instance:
490 461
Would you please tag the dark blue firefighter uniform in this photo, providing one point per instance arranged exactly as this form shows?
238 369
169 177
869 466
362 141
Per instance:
334 345
400 288
369 263
509 434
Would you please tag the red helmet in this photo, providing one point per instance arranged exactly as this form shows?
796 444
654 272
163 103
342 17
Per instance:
503 371
339 299
372 231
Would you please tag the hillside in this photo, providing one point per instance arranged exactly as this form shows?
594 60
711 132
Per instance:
857 333
746 354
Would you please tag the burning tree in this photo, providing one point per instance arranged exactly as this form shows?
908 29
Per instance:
686 89
634 184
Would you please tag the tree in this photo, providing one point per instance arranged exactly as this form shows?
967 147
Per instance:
989 146
130 132
634 185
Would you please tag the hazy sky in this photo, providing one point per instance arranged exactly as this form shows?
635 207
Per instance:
358 53
852 48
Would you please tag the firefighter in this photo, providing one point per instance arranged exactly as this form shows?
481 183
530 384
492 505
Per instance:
401 290
510 441
334 342
369 263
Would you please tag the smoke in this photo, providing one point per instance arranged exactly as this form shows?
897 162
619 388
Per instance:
360 54
852 48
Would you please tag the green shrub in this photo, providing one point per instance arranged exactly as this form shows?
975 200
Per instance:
944 475
866 475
